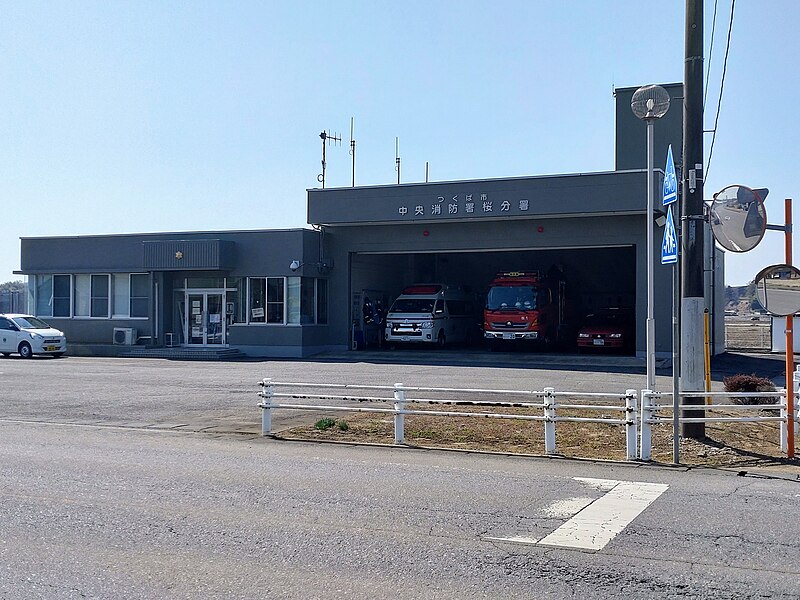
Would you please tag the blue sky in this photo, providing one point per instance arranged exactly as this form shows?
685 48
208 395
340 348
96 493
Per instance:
169 116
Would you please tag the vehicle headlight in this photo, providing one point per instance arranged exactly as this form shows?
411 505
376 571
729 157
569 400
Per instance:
615 335
36 336
583 335
426 325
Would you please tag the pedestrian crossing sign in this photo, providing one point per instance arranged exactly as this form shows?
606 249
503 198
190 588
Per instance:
669 245
670 188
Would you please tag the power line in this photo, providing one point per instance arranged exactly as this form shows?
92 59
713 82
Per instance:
721 88
710 52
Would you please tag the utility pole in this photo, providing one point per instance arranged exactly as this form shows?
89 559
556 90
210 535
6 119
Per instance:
692 275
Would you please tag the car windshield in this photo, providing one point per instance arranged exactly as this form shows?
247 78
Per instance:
510 298
412 305
30 323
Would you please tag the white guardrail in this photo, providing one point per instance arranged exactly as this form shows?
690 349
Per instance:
638 423
548 401
652 411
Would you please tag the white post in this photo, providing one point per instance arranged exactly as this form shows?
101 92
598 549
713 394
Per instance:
266 406
399 417
549 421
645 451
796 398
784 428
631 428
651 323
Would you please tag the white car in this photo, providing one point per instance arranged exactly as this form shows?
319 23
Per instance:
28 335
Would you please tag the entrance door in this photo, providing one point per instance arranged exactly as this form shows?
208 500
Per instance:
205 319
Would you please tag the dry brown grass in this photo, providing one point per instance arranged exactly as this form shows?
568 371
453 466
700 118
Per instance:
728 445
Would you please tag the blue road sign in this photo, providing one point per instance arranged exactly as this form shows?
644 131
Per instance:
670 191
669 245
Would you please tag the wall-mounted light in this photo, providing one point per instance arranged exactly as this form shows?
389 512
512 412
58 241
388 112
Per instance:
323 266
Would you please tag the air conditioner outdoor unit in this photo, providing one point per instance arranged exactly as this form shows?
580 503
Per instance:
125 336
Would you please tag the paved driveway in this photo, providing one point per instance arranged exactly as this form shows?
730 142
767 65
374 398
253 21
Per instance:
221 396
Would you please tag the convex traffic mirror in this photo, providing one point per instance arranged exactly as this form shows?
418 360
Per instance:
738 218
778 290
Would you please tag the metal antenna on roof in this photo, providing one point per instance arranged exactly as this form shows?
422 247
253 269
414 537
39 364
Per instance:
397 157
353 150
325 136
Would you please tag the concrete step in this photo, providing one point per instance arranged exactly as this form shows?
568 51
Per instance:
183 353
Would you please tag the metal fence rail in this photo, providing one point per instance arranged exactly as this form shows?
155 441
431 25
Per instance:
402 396
546 406
652 409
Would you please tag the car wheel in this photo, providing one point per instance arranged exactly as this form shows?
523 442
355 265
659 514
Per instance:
441 341
25 350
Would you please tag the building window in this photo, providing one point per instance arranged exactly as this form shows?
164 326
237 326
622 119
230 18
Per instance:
266 300
306 300
82 296
52 294
121 291
287 300
123 295
131 295
44 295
100 295
91 296
275 301
257 300
62 295
140 295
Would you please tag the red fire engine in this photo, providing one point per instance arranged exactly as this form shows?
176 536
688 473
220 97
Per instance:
524 306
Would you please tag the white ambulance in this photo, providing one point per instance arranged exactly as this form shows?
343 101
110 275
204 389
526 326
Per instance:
432 313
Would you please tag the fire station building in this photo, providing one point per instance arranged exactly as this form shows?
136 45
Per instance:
298 292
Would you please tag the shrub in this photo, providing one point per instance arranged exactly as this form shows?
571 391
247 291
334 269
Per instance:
750 383
343 426
324 424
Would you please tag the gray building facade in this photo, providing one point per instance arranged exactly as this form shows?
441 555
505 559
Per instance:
292 293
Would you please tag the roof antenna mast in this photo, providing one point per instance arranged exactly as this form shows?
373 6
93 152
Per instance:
325 136
397 157
353 150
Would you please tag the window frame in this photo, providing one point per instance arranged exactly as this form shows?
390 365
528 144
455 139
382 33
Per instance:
285 301
131 296
34 291
94 297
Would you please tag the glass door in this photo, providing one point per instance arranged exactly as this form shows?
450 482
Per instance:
205 318
215 315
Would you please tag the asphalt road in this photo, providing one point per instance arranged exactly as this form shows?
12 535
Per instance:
147 479
93 512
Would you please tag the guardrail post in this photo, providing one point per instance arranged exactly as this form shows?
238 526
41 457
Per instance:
399 417
645 448
631 428
796 398
549 421
266 406
790 395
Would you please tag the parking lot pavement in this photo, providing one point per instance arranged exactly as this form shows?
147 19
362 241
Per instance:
221 397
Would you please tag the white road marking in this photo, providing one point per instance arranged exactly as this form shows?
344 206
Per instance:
563 509
600 522
604 485
595 522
